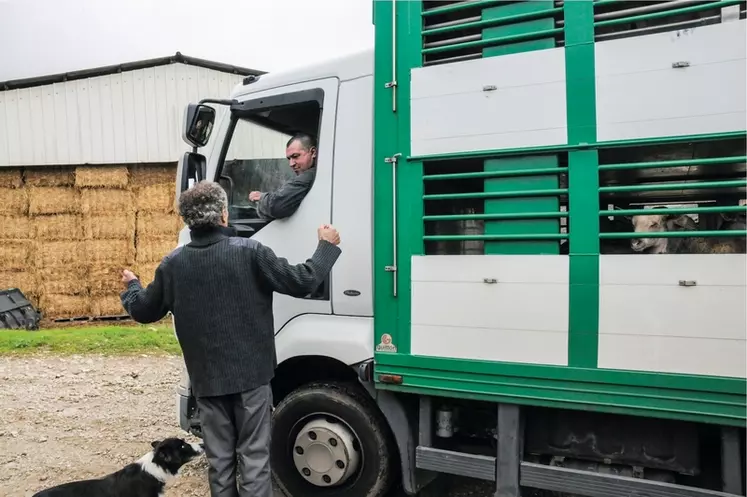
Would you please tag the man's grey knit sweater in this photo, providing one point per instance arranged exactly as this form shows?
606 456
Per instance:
219 288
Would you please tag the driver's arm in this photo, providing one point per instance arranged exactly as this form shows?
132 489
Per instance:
284 201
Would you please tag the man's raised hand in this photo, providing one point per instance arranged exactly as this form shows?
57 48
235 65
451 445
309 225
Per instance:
328 233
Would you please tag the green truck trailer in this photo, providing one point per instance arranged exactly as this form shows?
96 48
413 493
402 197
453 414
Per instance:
508 305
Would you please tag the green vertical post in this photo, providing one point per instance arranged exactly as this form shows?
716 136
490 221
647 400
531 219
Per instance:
410 178
583 185
522 204
518 28
392 138
385 145
510 205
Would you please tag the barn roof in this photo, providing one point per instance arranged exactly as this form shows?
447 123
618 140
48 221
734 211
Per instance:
177 58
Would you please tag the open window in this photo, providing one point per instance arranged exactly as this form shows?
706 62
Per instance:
253 156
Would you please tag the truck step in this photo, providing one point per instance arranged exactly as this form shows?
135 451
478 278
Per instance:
554 478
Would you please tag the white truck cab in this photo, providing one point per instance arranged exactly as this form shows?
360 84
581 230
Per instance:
323 339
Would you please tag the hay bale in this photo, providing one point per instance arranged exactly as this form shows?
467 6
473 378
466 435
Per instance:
63 281
65 306
112 252
14 202
15 228
107 305
57 227
60 254
53 200
154 249
25 281
105 279
106 201
102 176
10 178
152 174
146 272
114 226
158 225
16 255
49 176
156 198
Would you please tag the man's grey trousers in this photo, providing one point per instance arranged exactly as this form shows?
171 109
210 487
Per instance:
236 432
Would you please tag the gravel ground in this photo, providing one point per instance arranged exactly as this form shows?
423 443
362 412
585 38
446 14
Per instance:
81 417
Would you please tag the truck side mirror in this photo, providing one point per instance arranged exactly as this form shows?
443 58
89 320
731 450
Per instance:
198 124
192 169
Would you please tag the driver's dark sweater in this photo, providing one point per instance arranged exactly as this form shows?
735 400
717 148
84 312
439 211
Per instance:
219 288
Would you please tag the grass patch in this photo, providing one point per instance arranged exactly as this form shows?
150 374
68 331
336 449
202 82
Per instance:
106 340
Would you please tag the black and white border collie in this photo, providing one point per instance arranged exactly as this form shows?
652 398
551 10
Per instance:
146 477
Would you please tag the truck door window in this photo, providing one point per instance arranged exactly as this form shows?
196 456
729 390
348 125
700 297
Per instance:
254 157
255 161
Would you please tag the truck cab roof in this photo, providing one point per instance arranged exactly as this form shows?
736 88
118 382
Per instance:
348 67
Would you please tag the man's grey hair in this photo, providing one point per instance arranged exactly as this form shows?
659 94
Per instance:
202 205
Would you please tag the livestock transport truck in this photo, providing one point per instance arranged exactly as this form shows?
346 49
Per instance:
487 317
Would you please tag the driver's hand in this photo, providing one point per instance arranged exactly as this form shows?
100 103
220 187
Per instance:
255 196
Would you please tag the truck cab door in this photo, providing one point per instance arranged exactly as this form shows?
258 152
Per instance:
253 159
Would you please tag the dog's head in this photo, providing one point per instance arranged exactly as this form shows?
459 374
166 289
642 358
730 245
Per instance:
173 453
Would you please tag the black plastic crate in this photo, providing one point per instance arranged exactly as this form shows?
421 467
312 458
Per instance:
17 312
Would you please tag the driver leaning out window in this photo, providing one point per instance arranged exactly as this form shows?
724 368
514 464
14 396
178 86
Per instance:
301 152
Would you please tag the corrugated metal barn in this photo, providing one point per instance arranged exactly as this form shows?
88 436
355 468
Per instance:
87 169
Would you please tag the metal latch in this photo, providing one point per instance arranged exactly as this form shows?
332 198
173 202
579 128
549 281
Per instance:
490 281
680 64
688 283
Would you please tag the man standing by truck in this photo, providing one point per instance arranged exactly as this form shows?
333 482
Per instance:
301 153
219 288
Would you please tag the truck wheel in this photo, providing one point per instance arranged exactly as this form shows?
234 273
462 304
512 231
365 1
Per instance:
330 440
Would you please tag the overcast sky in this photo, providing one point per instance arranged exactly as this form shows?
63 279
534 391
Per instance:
39 37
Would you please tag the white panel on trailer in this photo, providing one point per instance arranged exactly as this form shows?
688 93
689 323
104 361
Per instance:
522 317
512 101
641 95
648 321
129 117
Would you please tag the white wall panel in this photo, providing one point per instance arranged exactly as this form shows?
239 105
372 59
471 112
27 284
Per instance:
641 95
130 117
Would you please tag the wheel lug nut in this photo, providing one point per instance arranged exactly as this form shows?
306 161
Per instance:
333 442
340 464
306 472
299 451
312 435
326 479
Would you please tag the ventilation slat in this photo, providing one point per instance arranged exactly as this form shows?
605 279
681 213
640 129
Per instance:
479 28
616 19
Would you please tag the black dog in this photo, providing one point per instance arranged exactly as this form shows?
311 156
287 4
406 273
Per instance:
146 477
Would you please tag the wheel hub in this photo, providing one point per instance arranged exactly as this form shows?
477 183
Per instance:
324 453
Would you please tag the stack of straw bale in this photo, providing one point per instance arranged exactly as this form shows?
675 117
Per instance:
16 244
59 258
108 232
158 223
66 233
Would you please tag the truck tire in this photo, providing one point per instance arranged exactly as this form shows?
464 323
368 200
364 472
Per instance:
330 440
